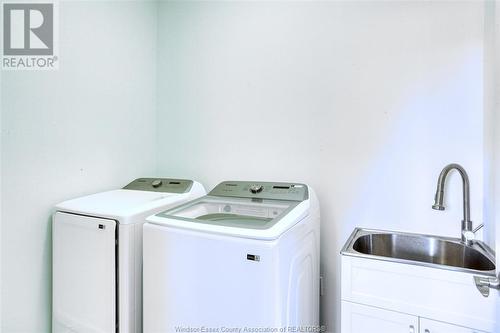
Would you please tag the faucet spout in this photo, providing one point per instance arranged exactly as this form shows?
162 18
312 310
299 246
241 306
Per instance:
439 198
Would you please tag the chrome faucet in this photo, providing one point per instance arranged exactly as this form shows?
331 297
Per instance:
467 233
483 284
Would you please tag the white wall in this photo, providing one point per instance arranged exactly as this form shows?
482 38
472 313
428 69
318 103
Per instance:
491 99
87 127
496 97
364 101
492 122
1 211
496 137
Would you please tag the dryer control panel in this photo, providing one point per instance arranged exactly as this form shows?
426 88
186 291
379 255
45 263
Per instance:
262 190
160 185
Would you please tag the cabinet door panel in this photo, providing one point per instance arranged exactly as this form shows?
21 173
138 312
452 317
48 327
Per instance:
357 318
432 326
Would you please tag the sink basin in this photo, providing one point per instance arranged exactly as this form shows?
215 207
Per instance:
441 252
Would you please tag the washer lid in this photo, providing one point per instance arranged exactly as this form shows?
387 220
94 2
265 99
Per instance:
259 210
232 212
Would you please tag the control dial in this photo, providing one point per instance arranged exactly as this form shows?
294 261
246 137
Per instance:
156 183
256 188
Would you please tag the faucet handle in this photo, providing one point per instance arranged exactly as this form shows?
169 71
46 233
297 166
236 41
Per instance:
476 229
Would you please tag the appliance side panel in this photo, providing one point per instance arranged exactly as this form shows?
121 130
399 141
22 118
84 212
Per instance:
126 277
299 274
83 274
138 277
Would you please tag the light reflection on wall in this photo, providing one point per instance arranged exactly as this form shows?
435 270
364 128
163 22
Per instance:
433 127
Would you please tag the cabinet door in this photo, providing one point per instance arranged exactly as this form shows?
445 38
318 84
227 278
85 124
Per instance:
357 318
432 326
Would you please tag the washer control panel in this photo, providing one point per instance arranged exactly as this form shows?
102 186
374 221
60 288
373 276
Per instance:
262 190
160 185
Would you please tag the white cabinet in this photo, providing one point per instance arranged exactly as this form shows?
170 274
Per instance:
444 296
357 318
432 326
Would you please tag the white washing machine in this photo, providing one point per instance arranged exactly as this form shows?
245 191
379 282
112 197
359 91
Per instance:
97 254
245 255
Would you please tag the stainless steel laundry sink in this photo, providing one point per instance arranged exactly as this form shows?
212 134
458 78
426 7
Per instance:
417 249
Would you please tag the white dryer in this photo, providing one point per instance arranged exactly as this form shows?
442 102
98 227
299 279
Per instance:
97 254
245 255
